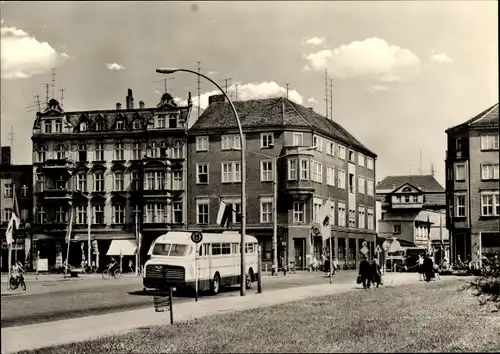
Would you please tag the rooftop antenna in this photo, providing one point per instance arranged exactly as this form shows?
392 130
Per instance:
287 91
236 87
11 138
165 86
432 169
331 99
47 95
62 96
53 81
326 91
227 83
36 106
199 87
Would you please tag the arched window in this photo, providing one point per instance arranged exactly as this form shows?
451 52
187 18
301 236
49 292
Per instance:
83 126
163 149
406 189
99 125
154 149
177 152
120 125
137 124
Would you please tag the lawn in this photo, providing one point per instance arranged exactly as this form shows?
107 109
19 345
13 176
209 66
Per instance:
420 317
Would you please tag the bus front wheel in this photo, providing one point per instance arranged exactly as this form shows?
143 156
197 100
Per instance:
216 284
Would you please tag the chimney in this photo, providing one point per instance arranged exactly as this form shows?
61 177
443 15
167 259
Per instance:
141 104
118 106
189 99
216 98
130 100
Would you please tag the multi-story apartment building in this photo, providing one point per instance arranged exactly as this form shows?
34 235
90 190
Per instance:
472 186
18 180
413 211
340 169
115 169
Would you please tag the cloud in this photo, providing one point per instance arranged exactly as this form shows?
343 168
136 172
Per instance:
441 59
249 92
372 58
312 100
314 41
23 56
67 56
306 68
375 88
210 73
115 67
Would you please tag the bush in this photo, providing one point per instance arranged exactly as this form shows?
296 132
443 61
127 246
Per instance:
486 285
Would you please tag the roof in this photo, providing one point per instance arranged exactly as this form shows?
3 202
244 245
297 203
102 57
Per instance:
487 118
273 112
184 237
426 183
435 199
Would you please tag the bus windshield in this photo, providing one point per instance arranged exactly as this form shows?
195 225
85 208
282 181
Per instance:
397 254
172 250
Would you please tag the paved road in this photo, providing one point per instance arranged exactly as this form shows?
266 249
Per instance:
49 301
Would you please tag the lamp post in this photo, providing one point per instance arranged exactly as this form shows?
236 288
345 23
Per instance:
243 169
275 159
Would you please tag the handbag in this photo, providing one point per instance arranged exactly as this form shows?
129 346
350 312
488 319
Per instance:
359 280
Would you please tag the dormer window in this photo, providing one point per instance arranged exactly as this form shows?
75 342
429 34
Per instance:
160 121
172 121
47 126
136 125
58 126
120 125
83 126
99 125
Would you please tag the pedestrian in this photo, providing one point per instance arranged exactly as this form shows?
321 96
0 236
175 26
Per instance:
131 266
420 267
376 272
335 264
428 268
365 273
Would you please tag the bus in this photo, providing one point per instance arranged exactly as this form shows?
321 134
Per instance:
405 259
174 259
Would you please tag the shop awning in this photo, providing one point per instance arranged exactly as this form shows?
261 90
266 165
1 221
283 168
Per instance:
122 247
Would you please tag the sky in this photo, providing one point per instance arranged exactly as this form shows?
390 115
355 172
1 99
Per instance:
402 72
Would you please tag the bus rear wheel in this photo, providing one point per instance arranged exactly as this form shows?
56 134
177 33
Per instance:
215 284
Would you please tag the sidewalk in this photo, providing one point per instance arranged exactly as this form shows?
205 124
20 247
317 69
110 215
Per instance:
91 327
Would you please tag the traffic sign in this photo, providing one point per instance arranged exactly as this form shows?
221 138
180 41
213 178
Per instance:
315 231
386 245
196 237
365 243
364 250
378 249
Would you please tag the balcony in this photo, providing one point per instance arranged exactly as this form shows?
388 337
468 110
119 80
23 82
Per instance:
299 190
407 205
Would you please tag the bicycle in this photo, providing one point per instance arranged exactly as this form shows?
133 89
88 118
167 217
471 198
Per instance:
16 282
111 271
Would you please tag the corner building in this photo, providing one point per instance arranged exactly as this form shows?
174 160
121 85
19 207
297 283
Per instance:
341 169
119 170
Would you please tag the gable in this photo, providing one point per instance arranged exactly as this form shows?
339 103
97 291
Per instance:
407 188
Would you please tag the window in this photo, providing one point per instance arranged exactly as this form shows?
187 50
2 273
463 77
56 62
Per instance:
136 214
119 150
361 185
460 205
299 209
341 179
330 175
332 212
41 153
266 171
318 142
230 142
369 163
231 172
98 214
81 181
342 216
352 218
317 172
99 182
177 180
490 203
60 215
136 180
460 172
136 151
331 148
489 142
119 181
24 190
7 190
82 152
177 212
369 187
61 182
351 156
304 170
202 173
352 183
160 121
99 152
266 210
342 152
40 215
119 212
99 126
177 150
202 208
235 206
172 121
361 217
155 180
266 140
202 143
60 152
83 126
47 126
292 169
7 214
40 182
120 125
81 214
361 160
317 203
489 171
369 212
298 139
136 125
396 229
155 213
153 150
58 126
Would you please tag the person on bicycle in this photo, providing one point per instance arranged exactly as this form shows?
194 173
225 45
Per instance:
17 269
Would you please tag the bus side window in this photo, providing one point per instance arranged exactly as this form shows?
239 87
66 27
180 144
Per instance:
206 249
200 253
235 248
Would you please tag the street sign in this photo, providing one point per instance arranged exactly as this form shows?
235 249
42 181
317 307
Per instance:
196 237
386 245
283 243
365 243
315 231
364 250
378 249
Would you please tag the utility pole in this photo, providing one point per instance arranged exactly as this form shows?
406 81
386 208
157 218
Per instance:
62 96
287 91
38 103
53 81
331 99
199 87
47 95
326 92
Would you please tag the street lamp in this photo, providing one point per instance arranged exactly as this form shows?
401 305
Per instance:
275 159
243 169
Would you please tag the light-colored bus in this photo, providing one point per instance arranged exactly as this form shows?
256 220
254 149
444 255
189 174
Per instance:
174 259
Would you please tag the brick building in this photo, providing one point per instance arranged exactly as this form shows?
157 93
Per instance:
16 179
341 169
111 167
472 186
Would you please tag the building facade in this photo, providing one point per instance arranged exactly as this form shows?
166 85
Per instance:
18 180
472 186
341 169
114 171
413 211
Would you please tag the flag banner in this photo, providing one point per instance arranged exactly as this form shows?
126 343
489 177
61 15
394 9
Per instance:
70 226
324 220
224 214
15 219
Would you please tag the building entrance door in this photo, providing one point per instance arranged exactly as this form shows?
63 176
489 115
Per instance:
300 252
